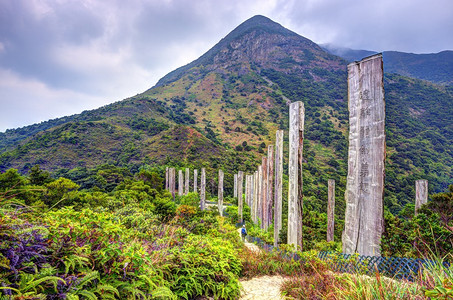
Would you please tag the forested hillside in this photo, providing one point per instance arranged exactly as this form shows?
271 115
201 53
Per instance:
222 111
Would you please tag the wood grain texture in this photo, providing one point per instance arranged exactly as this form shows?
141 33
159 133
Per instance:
195 180
240 192
220 193
365 182
186 188
295 201
203 189
278 192
180 183
421 193
270 185
330 209
264 193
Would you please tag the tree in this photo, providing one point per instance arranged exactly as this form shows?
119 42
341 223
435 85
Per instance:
59 190
37 176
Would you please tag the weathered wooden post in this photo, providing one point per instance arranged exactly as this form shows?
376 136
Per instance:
330 209
251 194
240 200
220 193
235 187
186 191
264 193
295 199
246 189
180 183
278 185
203 189
270 183
255 197
166 178
421 193
172 182
259 185
195 180
365 181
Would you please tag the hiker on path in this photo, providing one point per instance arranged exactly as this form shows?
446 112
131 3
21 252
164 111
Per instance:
243 233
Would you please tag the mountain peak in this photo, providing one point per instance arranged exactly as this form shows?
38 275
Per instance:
262 23
256 38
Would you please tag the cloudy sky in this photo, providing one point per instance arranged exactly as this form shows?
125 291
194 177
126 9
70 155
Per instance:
60 57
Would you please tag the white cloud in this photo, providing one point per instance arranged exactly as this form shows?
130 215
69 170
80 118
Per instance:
65 56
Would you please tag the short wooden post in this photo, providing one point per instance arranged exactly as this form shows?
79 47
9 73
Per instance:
180 183
330 210
203 189
421 193
278 186
220 193
195 180
240 200
166 178
186 192
172 182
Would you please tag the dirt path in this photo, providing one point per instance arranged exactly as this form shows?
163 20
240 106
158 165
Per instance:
260 288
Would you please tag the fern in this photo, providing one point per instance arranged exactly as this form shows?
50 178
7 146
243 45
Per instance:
107 291
163 292
73 261
87 294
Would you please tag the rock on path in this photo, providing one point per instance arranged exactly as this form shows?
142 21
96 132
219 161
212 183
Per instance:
260 288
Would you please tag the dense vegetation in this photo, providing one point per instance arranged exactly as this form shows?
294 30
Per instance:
112 233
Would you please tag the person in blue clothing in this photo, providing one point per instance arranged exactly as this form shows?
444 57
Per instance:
243 233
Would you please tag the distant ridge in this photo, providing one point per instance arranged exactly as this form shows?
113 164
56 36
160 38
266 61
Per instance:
434 67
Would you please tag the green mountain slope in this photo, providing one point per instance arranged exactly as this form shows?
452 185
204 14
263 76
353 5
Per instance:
223 109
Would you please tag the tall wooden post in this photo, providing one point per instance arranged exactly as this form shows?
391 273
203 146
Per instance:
203 189
278 185
186 191
172 182
252 204
421 193
295 200
264 193
240 200
220 193
235 187
330 209
259 189
270 183
365 181
166 178
180 183
255 197
195 180
247 190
